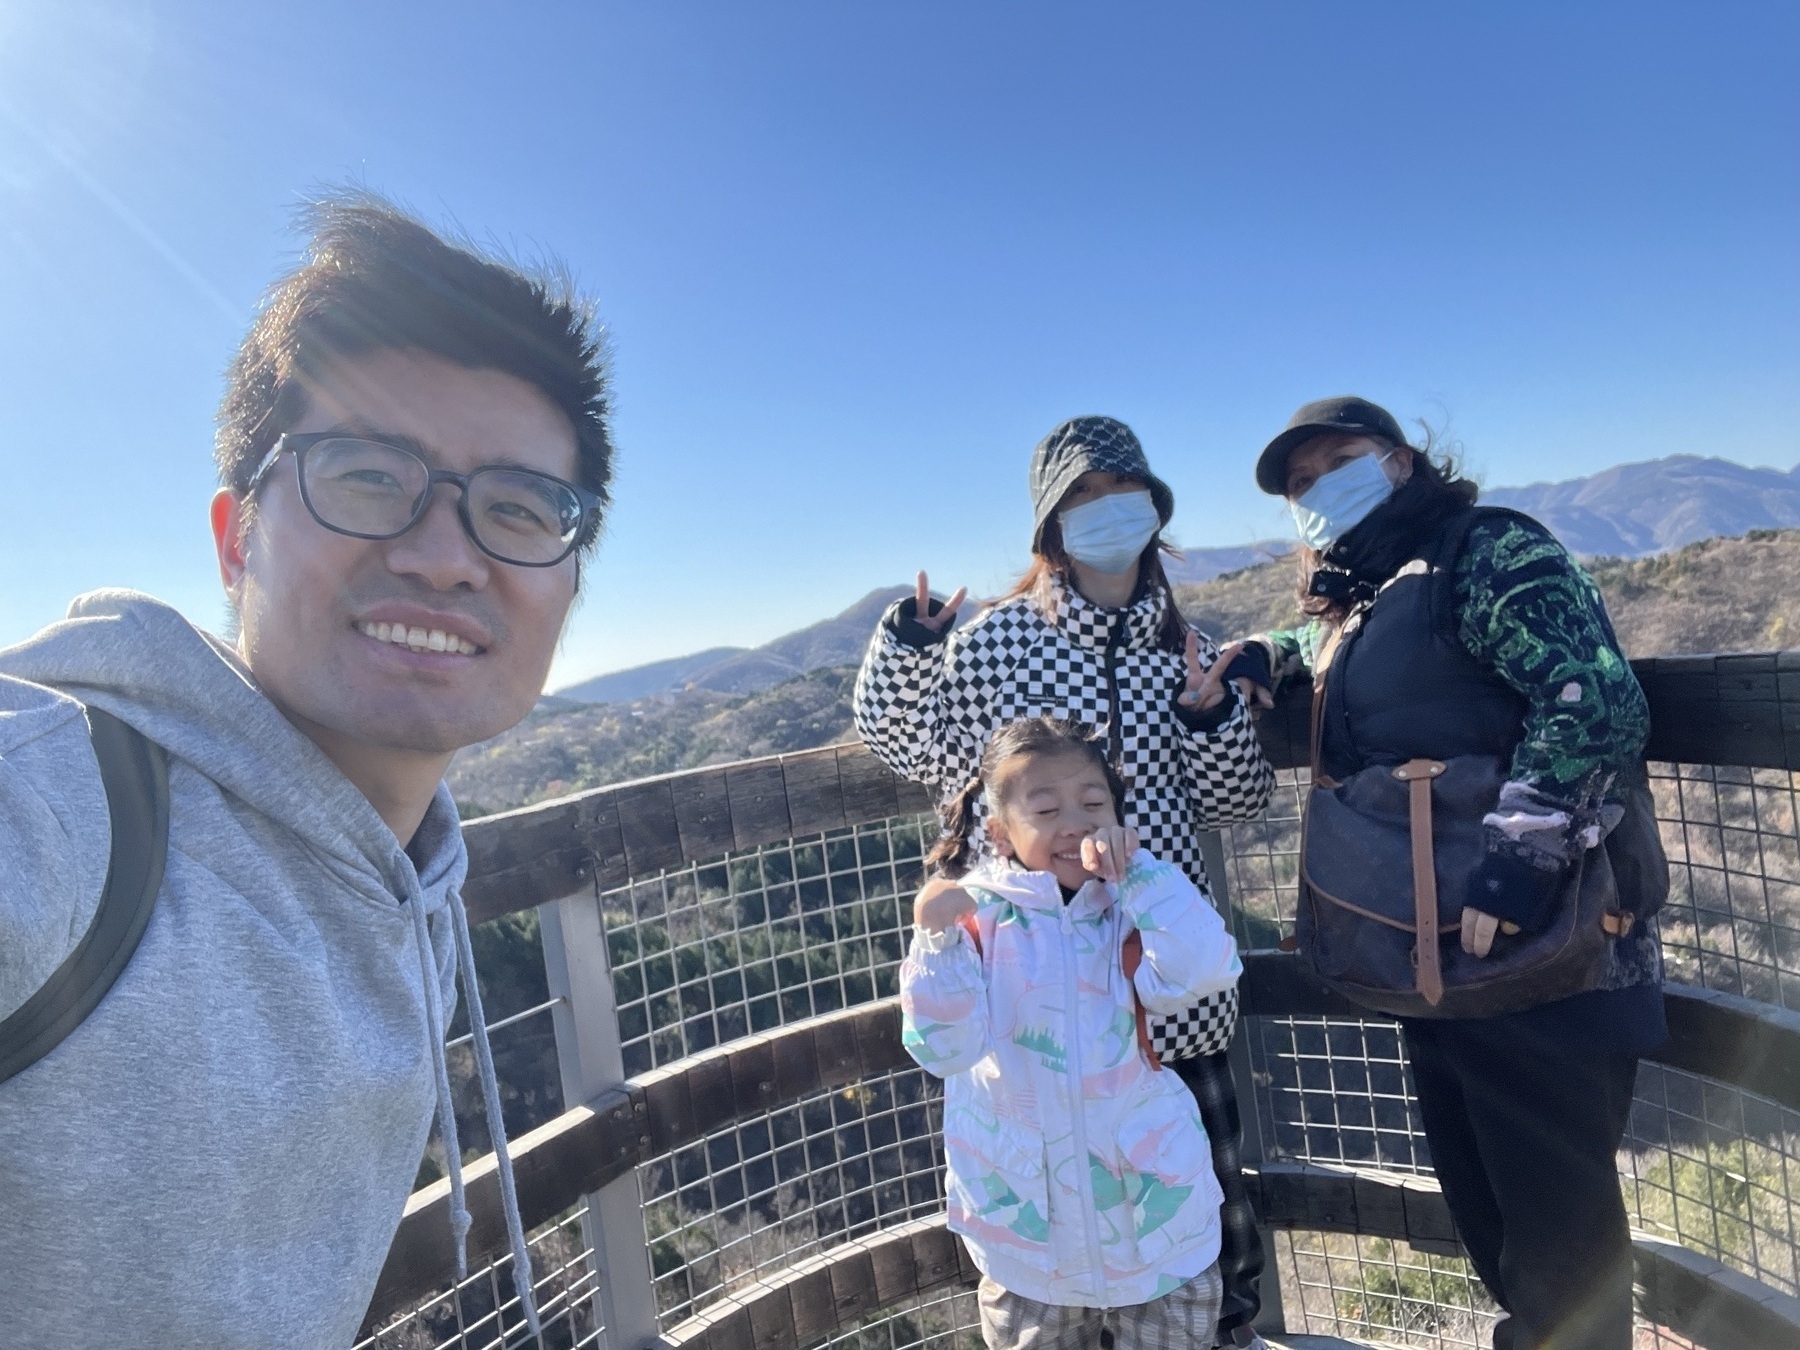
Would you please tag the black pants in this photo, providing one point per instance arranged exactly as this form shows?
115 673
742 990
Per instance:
1523 1135
1240 1240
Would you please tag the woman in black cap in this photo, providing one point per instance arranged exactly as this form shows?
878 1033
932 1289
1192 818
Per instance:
1091 634
1466 675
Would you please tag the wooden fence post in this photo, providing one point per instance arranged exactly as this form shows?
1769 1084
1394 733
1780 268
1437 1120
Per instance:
588 1056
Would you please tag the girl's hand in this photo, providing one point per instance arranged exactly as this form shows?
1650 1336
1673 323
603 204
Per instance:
1106 851
938 622
941 903
1205 688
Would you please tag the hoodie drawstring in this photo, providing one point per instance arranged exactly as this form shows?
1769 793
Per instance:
490 1093
440 1067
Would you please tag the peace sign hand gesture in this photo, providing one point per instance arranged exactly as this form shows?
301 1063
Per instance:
1205 688
938 622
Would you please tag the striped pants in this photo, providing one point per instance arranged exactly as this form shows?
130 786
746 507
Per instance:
1183 1319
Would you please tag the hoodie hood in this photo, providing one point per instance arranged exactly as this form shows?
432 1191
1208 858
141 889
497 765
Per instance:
286 1008
1005 880
191 693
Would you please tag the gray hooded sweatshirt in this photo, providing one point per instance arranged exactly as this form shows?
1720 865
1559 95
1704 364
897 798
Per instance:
219 1155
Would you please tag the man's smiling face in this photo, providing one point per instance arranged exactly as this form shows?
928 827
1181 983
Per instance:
320 612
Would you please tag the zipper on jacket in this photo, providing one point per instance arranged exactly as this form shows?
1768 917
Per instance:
1115 734
1090 1221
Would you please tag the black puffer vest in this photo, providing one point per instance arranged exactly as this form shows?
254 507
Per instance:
1402 685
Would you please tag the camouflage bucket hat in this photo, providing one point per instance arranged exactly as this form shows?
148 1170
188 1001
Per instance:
1082 445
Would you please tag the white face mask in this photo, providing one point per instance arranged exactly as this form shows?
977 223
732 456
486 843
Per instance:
1108 533
1342 500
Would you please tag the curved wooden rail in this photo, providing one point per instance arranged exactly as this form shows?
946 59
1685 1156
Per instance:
1727 1039
1739 710
1692 1295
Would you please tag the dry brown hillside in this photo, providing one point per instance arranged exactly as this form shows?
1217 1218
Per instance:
1719 595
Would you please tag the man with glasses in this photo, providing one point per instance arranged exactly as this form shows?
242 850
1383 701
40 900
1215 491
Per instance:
415 454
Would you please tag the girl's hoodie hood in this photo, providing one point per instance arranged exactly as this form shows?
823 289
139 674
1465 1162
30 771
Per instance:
1007 880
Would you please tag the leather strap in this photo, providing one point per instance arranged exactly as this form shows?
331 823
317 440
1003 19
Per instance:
1131 956
1417 774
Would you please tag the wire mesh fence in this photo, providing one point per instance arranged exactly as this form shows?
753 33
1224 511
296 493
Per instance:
708 953
754 1198
483 1312
1706 1164
1733 917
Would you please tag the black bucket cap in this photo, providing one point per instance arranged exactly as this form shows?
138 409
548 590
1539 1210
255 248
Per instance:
1347 416
1083 445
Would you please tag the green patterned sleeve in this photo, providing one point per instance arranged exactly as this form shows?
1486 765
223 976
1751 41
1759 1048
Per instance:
1292 651
1533 616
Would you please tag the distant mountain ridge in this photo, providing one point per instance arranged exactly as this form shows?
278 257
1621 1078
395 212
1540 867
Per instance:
1660 504
835 641
1628 511
1196 565
1715 595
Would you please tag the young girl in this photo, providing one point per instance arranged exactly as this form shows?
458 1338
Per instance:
1091 633
1079 1175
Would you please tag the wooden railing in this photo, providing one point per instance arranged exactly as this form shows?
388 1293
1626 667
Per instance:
1727 710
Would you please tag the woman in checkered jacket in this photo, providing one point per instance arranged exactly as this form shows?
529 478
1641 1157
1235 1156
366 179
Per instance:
1091 634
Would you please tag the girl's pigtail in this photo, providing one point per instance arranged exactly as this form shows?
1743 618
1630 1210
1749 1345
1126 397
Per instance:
949 857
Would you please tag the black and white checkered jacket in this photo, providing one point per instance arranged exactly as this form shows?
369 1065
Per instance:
927 712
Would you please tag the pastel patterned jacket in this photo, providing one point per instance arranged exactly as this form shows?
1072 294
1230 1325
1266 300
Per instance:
1077 1174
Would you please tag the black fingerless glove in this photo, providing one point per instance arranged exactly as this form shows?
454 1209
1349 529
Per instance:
1252 664
1519 886
902 620
1205 721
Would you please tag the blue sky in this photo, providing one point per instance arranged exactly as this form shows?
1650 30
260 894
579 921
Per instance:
858 258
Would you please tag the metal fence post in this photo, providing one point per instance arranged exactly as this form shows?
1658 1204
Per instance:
588 1057
1271 1319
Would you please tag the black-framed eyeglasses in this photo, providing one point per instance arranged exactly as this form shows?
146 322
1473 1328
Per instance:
373 489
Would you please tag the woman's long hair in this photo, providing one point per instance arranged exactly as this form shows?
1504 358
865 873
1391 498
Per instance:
1050 563
950 856
1438 461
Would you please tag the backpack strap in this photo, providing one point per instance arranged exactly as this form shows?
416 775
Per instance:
1131 956
135 774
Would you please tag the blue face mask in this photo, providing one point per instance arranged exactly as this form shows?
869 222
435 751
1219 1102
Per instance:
1342 500
1110 532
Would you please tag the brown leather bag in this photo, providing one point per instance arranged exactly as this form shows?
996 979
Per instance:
1385 860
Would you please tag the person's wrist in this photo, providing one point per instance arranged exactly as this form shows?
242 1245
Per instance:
1516 888
1251 664
1207 720
902 621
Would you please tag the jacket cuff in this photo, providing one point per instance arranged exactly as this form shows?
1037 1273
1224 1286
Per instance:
1518 889
902 621
1205 721
928 943
1252 664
